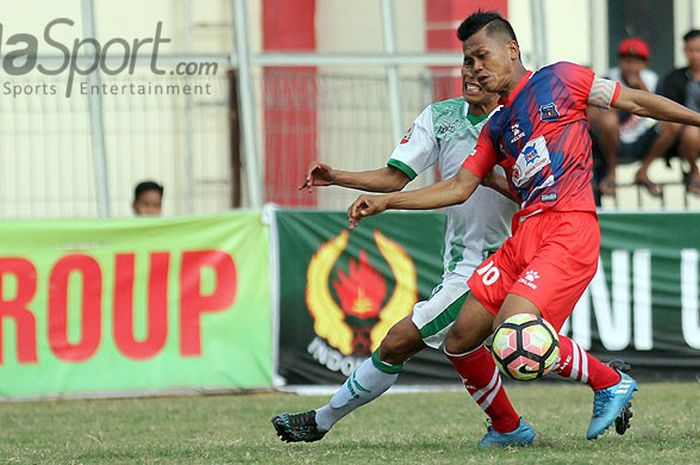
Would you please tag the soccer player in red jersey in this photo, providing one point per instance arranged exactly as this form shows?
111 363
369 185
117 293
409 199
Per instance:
540 137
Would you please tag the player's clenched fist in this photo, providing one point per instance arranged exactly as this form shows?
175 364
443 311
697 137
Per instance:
366 205
318 174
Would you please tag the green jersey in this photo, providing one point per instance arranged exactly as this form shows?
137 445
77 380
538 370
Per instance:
444 134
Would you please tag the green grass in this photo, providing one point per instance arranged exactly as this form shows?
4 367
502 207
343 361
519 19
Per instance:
398 429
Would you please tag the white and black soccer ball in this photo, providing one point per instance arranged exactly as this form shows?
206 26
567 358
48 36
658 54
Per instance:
525 347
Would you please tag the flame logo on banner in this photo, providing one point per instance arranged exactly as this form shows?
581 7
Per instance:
362 291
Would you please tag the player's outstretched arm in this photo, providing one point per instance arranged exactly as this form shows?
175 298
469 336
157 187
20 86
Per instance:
643 103
387 179
452 191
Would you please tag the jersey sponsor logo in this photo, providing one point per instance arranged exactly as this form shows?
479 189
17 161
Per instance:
353 324
531 160
549 197
529 279
567 361
517 132
407 136
446 128
549 112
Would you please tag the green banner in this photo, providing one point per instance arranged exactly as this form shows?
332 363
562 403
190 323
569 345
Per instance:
642 305
91 307
342 290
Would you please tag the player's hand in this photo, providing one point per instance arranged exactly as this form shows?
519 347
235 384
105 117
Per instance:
491 179
318 174
366 205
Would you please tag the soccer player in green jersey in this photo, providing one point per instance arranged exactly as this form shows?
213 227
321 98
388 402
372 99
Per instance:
442 134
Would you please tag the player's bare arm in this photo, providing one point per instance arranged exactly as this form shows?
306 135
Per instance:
644 103
386 179
452 191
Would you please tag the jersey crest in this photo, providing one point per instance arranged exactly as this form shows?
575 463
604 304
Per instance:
407 136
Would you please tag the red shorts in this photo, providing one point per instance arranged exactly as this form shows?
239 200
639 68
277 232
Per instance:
549 261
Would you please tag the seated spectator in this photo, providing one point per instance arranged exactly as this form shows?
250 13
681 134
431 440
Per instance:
621 136
148 197
683 86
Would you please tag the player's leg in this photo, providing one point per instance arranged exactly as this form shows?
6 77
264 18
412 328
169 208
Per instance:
426 326
374 376
550 285
371 379
574 362
612 389
464 347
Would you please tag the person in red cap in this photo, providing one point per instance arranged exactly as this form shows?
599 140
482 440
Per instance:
682 85
623 136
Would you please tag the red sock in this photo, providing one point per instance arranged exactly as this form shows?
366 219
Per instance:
578 365
483 381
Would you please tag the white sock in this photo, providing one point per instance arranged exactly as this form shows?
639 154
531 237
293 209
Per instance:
364 385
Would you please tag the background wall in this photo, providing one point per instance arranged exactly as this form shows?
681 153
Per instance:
47 167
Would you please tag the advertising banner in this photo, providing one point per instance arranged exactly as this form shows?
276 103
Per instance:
102 307
340 291
642 305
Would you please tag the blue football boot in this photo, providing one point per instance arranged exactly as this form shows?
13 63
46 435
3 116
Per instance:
609 403
523 435
622 423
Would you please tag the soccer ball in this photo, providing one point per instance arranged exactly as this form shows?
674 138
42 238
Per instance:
525 347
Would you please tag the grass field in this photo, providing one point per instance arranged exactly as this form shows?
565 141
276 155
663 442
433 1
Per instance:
435 428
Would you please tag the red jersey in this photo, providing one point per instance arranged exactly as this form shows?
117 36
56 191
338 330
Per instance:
540 137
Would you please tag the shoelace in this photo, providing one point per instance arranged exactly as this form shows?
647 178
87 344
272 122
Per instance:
300 421
602 398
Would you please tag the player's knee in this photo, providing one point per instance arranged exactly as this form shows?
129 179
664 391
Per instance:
399 345
460 340
452 342
691 138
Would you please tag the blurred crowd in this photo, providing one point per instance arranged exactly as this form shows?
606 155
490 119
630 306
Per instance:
625 138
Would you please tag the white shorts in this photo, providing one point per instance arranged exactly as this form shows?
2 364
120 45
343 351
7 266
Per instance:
433 317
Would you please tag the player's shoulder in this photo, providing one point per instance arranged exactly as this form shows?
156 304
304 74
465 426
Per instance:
451 106
563 67
568 73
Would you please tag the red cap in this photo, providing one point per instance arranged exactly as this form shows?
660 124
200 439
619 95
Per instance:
634 46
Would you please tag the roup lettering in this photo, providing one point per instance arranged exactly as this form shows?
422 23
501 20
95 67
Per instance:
193 303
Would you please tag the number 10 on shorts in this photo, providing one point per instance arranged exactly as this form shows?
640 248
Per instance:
489 273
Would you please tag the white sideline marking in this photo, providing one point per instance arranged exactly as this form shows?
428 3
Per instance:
329 389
